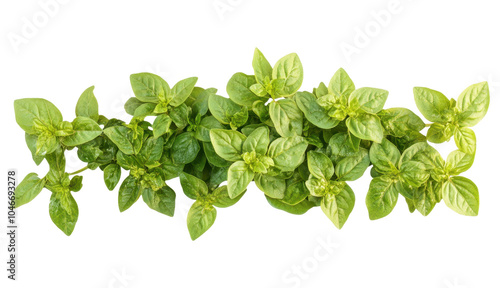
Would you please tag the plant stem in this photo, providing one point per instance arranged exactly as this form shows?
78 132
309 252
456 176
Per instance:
428 125
78 171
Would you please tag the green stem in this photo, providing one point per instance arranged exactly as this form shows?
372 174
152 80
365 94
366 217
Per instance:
428 125
78 171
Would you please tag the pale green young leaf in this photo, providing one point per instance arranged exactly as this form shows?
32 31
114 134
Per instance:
439 133
315 113
261 67
272 186
238 177
432 104
87 105
473 103
341 85
181 90
85 130
319 165
257 141
200 218
370 100
366 126
459 162
63 211
228 144
31 110
465 139
287 117
461 195
381 197
287 152
337 207
238 89
149 87
28 189
290 70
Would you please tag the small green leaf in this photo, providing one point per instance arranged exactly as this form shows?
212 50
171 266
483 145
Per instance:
413 173
261 67
238 89
85 130
192 186
337 207
222 199
202 132
149 87
381 197
297 209
320 166
161 125
290 70
179 115
227 143
439 133
465 139
87 105
257 141
75 184
370 100
185 148
212 156
162 200
315 113
31 141
123 138
399 121
366 126
384 156
295 193
341 85
31 110
432 104
112 174
129 193
287 152
461 195
222 108
63 211
473 103
200 218
273 187
132 104
459 162
181 90
287 117
28 189
353 167
238 177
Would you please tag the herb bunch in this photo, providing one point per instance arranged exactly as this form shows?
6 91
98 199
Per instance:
300 148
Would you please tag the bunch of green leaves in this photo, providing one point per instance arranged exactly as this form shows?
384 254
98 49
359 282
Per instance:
300 148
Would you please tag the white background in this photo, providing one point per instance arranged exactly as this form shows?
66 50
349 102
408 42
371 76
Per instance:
444 45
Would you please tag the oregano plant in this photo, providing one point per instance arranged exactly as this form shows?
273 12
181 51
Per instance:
301 148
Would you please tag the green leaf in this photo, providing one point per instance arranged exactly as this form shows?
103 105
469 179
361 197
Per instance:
28 189
129 193
461 195
261 67
458 162
273 187
413 173
381 197
238 177
353 167
370 100
200 105
313 112
181 90
85 130
222 108
31 110
227 143
200 218
31 141
432 104
337 207
320 166
162 200
192 186
287 152
295 193
399 121
439 133
75 184
428 198
465 139
473 103
87 105
366 126
424 153
185 148
287 117
290 70
222 199
179 115
45 144
132 104
112 174
202 132
149 87
238 89
341 85
122 137
161 125
297 209
63 211
151 151
257 141
212 156
146 109
384 156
